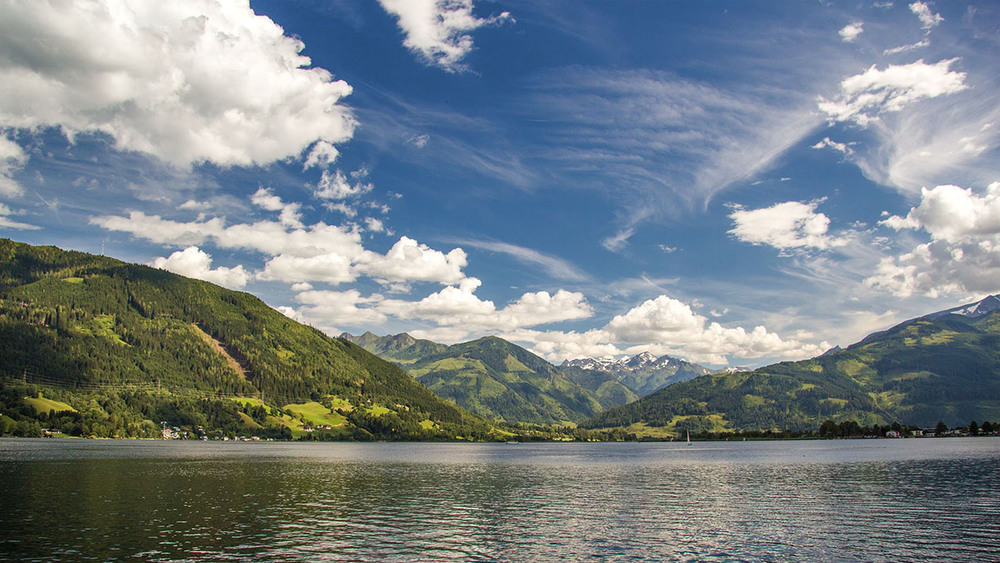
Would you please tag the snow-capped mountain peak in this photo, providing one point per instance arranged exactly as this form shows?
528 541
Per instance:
640 360
644 372
977 309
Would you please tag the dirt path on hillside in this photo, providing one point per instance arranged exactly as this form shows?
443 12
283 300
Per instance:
237 366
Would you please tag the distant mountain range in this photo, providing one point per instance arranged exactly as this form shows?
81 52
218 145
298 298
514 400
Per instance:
941 367
643 373
500 380
489 376
90 345
401 349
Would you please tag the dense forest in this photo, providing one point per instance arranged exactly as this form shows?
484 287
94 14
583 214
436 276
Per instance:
926 370
94 346
502 381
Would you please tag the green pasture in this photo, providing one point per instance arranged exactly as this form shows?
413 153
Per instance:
41 404
315 414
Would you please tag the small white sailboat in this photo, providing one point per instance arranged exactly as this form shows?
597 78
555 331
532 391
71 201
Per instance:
689 437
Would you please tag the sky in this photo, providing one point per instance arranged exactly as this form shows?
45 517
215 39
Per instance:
734 183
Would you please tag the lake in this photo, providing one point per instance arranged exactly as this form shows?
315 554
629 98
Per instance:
847 500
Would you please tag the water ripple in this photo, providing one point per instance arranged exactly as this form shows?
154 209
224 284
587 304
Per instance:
915 500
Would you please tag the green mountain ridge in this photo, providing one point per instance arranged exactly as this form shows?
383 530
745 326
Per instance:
128 346
919 372
606 386
94 346
492 378
492 390
401 348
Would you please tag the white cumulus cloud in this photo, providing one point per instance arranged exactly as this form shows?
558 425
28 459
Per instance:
322 155
196 263
437 31
787 225
265 199
336 186
330 268
188 81
557 346
452 305
543 308
928 19
963 255
863 97
665 325
851 31
298 253
409 260
954 214
6 222
460 314
656 320
330 309
12 159
839 147
290 214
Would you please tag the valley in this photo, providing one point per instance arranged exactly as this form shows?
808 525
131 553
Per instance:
91 346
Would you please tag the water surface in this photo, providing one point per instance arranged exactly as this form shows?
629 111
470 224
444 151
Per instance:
855 500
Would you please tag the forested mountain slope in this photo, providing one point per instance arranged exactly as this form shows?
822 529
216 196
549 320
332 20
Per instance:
937 368
471 374
500 380
128 346
401 349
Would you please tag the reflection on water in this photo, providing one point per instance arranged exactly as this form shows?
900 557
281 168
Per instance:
160 501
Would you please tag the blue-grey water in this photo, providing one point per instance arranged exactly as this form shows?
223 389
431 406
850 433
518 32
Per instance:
852 500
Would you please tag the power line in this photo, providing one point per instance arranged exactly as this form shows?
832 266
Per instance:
45 380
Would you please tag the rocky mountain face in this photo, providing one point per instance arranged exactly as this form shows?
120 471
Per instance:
643 373
972 310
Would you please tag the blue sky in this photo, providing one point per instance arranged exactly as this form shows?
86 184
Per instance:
735 183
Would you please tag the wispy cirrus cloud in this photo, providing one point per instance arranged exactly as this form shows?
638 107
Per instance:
663 142
553 266
907 48
920 124
8 223
440 137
